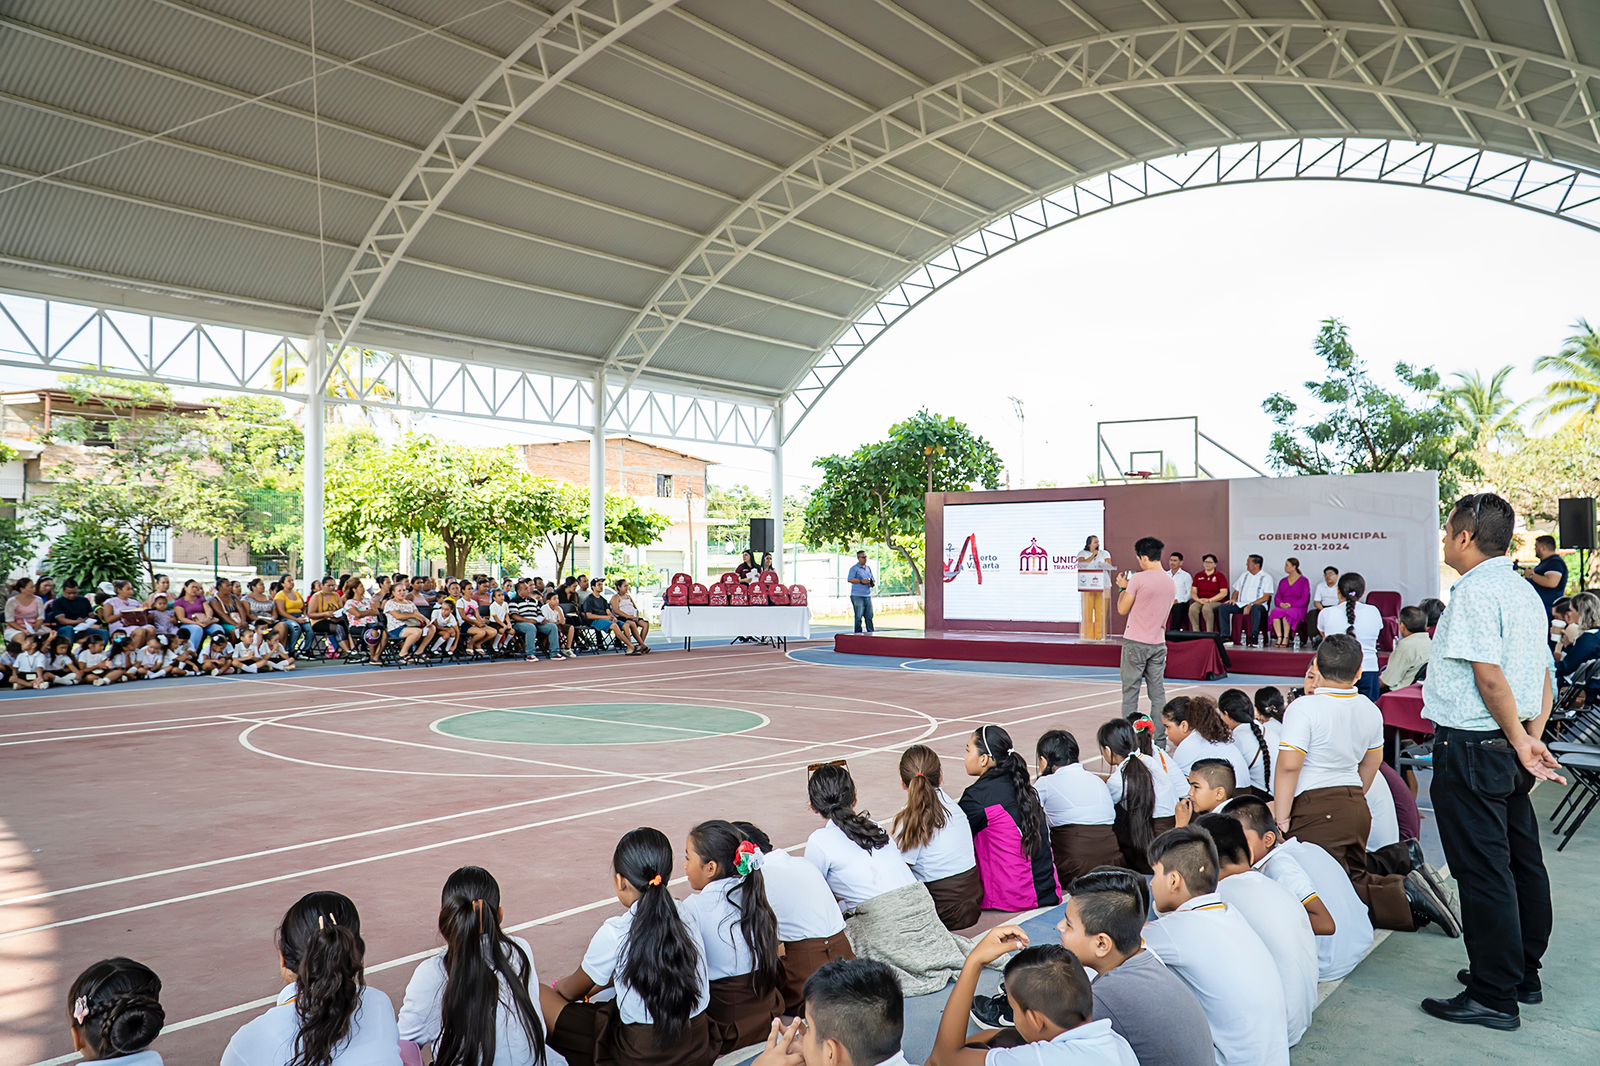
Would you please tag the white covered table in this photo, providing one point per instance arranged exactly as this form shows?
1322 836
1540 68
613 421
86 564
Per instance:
775 624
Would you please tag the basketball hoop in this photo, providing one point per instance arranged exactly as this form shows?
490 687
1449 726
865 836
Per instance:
1142 475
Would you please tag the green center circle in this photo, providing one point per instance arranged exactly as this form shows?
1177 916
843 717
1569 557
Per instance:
600 723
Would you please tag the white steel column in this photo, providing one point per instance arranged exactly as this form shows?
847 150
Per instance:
777 491
597 480
313 536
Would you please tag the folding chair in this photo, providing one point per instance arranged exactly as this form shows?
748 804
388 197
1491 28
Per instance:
1582 763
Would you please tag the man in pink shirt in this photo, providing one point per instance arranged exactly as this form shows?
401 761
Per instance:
1146 598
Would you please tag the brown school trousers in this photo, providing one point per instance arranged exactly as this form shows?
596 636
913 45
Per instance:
1337 820
802 958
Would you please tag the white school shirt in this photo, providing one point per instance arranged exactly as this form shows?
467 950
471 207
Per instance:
1196 747
1074 796
91 659
801 899
1213 949
1369 624
1252 587
61 664
854 874
374 1039
728 953
1274 731
1309 872
1244 738
1385 820
602 963
1334 728
149 656
1090 1044
950 852
1166 775
1325 595
1184 581
1280 920
30 662
499 612
422 1012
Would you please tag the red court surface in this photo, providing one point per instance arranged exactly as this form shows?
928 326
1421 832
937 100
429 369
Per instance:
175 824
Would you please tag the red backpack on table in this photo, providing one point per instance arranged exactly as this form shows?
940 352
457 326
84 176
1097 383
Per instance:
797 595
698 596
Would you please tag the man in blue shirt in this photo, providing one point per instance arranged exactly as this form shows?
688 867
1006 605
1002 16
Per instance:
861 585
1549 577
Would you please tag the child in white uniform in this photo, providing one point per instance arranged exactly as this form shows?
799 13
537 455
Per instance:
115 1011
935 840
1077 807
810 926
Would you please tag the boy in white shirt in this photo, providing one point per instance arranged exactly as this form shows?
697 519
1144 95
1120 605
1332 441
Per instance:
854 1016
1213 949
93 659
1211 784
151 658
63 669
1050 1000
29 668
1275 915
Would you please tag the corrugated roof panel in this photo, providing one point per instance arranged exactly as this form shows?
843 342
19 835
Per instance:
788 282
724 308
733 360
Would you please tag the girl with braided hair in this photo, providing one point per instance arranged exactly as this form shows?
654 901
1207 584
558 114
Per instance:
1239 711
326 1014
936 841
653 954
1360 620
1009 830
115 1012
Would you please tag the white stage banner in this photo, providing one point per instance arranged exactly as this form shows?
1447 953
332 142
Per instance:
1384 527
1017 561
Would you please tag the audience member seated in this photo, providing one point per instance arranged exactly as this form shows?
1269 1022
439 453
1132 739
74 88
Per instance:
935 840
1142 784
1361 621
1009 831
194 616
1250 737
1564 627
1586 648
115 1013
25 612
1197 730
853 1014
1077 808
69 613
1209 596
1435 609
1211 784
596 607
126 616
1410 654
633 626
810 924
1290 604
289 607
1324 596
1183 583
747 565
1251 596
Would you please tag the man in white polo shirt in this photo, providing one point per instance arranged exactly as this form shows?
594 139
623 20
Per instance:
1251 597
1183 585
1213 949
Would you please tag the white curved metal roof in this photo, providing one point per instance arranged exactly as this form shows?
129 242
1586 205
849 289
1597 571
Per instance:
698 194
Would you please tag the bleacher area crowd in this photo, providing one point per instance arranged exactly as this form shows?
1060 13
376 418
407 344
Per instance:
1210 881
64 637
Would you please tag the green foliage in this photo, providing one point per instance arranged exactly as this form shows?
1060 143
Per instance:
92 552
1483 409
262 454
115 393
18 537
562 517
640 576
1578 392
740 503
877 493
1534 476
1362 427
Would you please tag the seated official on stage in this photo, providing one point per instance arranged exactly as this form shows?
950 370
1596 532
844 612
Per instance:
1183 585
1251 597
1209 594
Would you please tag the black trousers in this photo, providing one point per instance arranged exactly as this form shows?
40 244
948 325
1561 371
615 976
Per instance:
1491 840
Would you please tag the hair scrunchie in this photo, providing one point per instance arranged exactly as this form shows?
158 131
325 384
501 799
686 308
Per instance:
1144 725
748 859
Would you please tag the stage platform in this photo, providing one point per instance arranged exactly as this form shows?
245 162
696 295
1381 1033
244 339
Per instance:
1190 660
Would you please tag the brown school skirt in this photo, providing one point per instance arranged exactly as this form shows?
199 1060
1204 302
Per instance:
958 899
1138 863
591 1034
802 958
1080 848
741 1016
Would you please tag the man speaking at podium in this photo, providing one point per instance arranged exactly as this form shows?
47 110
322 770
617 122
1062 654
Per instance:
1146 597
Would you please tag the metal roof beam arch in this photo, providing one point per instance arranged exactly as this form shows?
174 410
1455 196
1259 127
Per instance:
1257 51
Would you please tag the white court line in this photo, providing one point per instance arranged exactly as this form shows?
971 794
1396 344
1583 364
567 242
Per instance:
794 655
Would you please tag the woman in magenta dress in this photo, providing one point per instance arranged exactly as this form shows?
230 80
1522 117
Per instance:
1289 606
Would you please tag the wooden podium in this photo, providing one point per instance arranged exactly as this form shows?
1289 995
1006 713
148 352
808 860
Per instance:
1093 586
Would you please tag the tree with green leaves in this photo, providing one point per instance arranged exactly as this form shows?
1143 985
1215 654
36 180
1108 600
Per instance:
1577 393
1484 409
562 511
262 455
91 554
740 503
878 492
1359 427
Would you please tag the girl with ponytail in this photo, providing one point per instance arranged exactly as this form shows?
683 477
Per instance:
730 906
478 1003
1240 713
1078 808
326 1015
115 1012
1197 730
889 915
655 958
936 841
1142 785
1360 620
1009 830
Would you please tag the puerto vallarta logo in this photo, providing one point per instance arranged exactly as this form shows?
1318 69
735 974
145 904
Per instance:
955 562
1033 559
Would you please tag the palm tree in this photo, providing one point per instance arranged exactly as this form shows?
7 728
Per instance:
1578 393
1483 408
286 375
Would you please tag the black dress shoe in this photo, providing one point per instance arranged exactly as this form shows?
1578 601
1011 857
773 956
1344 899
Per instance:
1464 1010
1525 995
1428 907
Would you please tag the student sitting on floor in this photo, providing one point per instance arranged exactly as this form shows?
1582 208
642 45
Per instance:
1009 831
478 1003
63 669
1077 807
326 1012
654 956
276 654
810 926
1248 736
1141 785
1154 1011
1210 786
1213 949
29 670
935 840
739 930
1274 913
1197 730
1051 1005
151 658
889 915
115 1007
1269 714
1338 917
854 1015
